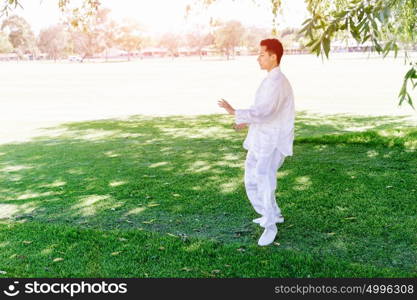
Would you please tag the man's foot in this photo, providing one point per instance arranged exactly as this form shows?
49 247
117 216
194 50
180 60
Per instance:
279 219
268 236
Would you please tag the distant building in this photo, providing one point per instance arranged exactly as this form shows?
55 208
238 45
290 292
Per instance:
154 52
295 48
242 51
8 56
350 45
112 53
42 56
210 51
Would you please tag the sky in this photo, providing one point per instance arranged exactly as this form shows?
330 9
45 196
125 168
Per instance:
160 16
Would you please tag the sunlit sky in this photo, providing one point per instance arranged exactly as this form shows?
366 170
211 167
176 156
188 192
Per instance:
160 16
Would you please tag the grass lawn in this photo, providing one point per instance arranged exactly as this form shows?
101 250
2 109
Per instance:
164 197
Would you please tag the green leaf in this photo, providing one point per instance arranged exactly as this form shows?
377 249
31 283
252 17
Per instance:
307 21
378 47
341 14
374 25
387 48
311 42
326 46
404 95
361 26
366 38
305 28
365 28
315 47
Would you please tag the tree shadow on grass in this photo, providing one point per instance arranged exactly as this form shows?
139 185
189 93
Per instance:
312 124
344 193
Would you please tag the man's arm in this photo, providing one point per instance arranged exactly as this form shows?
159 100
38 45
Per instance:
226 105
265 105
223 103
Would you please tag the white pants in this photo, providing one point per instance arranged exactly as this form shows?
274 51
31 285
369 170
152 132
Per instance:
261 182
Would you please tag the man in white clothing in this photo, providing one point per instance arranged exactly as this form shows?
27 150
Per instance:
270 137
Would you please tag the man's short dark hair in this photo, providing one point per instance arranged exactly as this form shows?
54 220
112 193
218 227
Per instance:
274 46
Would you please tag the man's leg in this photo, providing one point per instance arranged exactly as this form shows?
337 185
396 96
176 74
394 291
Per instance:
251 182
266 171
277 161
266 175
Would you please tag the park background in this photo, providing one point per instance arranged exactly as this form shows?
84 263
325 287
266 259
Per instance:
115 160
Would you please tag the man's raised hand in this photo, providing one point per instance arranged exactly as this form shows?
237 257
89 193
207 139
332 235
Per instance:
224 104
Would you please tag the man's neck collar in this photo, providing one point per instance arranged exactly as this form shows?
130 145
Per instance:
274 69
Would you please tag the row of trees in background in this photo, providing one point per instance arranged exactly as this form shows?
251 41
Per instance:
61 40
102 33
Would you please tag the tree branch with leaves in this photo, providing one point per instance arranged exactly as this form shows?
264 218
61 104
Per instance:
390 25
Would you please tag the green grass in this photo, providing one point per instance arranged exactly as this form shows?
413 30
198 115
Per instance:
164 197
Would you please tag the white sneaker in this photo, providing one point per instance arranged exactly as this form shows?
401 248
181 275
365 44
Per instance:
279 219
268 236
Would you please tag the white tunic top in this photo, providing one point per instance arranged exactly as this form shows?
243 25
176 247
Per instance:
271 117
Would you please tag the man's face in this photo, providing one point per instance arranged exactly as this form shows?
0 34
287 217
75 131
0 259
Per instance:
265 60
